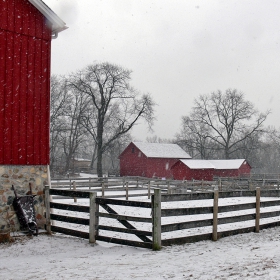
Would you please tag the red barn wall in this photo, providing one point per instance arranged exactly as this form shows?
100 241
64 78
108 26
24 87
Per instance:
182 172
226 172
203 174
133 162
160 167
25 44
137 164
245 169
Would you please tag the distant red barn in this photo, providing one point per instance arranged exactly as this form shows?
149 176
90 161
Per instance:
231 167
193 169
150 159
26 30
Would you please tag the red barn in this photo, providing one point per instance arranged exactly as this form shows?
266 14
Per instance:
231 167
26 30
150 159
193 169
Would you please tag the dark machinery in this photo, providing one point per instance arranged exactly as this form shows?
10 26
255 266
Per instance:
24 207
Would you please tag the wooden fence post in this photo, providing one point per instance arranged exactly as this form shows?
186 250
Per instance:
74 188
103 189
96 219
126 190
92 217
168 187
48 209
258 209
156 212
220 184
149 189
250 185
215 215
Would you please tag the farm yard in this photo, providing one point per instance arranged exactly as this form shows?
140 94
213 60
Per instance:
197 226
196 214
242 256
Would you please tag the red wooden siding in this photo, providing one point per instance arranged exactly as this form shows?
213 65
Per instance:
182 172
25 42
160 167
131 164
134 163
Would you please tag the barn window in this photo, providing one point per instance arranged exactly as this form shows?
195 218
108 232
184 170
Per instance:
132 150
167 166
139 154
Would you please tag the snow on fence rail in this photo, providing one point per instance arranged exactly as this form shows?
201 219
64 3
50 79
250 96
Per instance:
155 238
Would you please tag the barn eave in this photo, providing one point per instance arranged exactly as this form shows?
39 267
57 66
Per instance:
58 24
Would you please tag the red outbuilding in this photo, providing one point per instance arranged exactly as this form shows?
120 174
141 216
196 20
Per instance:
150 159
193 169
26 30
231 167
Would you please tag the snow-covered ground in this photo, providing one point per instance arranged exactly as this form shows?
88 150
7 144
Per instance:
245 256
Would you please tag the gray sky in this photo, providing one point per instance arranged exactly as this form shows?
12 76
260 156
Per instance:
177 50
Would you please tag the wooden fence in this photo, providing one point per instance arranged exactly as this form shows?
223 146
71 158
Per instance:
144 186
215 210
94 214
154 238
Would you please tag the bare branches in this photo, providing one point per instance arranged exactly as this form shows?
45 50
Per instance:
115 106
224 121
67 110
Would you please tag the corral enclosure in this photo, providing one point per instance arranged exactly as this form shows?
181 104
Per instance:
197 214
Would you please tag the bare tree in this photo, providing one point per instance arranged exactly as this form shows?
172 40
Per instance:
116 105
226 120
74 133
60 101
269 152
194 139
67 132
156 139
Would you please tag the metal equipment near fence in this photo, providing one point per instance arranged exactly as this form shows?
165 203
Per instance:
24 207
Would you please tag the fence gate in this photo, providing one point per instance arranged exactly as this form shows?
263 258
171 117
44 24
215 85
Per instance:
149 239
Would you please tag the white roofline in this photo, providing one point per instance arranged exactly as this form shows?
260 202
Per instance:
161 150
58 24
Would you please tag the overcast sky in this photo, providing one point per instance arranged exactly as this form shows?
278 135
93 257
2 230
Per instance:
177 50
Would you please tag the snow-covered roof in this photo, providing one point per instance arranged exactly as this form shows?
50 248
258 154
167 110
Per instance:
198 163
227 163
58 24
161 150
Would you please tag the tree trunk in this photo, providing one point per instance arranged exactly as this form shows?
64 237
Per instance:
226 152
67 163
93 157
99 163
99 148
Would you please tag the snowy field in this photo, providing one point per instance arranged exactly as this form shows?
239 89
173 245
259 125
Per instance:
245 256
